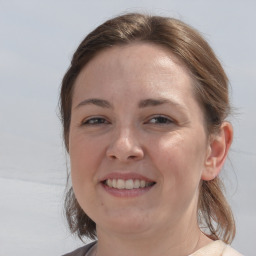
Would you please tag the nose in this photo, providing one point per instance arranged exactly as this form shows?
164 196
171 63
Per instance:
125 147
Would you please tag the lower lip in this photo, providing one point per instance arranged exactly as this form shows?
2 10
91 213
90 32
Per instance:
126 192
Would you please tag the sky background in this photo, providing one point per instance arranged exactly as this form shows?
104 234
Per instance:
37 41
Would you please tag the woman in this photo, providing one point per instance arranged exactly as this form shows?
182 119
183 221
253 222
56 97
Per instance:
143 106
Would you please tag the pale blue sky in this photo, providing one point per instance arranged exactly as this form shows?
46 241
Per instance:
37 42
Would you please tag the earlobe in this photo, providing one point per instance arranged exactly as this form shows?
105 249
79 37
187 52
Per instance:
217 152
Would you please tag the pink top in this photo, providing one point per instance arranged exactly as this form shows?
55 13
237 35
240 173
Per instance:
216 248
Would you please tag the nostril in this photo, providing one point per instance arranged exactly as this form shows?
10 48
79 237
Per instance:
131 157
125 149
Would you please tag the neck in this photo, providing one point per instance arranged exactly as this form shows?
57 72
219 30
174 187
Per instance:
180 240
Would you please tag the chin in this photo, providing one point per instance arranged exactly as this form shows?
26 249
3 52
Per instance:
126 223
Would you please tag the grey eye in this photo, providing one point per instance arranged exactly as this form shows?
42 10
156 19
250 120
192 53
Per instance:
160 120
95 121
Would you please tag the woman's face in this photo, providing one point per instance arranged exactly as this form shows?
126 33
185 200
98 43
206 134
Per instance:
137 140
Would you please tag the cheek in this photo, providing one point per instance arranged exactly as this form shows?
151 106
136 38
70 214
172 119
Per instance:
180 164
179 158
84 158
83 164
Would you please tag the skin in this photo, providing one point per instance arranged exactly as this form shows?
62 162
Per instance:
125 133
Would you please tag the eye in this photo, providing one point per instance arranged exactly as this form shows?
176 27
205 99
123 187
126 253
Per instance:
95 121
160 120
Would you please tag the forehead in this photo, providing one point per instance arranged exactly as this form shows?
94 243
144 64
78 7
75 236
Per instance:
136 55
140 63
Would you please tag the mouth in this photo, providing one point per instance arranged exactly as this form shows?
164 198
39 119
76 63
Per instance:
129 184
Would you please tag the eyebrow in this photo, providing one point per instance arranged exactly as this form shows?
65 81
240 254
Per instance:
142 104
156 102
98 102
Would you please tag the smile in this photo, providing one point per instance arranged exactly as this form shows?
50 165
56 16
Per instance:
127 184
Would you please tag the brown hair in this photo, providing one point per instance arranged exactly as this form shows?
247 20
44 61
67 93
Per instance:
211 87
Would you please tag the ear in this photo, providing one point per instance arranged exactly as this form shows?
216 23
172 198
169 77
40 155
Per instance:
219 144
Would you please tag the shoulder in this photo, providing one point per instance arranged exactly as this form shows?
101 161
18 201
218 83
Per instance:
229 251
216 248
82 250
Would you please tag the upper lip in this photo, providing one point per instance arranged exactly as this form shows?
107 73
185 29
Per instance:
126 176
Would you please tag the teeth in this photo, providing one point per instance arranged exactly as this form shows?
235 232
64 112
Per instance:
136 184
109 183
127 184
120 184
143 183
114 183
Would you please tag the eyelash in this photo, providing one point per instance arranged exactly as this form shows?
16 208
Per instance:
95 121
162 120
